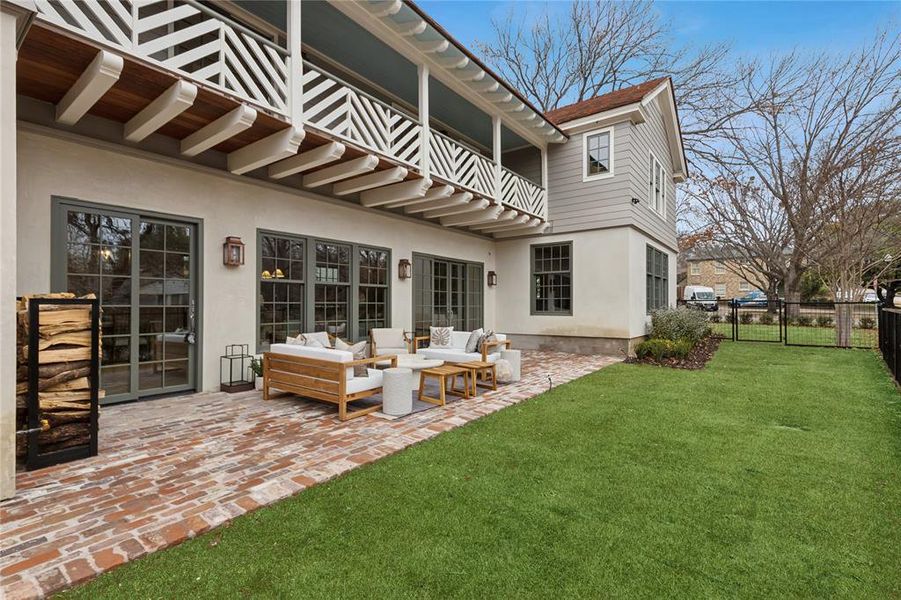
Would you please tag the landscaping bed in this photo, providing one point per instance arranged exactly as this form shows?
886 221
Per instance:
696 358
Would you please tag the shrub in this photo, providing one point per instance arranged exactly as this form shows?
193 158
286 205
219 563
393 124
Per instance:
824 321
679 323
804 321
715 318
867 323
729 317
767 319
745 318
660 349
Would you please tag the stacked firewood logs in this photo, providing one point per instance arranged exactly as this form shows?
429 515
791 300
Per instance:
64 369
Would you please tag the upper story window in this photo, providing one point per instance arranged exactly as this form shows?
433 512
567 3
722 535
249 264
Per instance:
657 187
597 154
695 268
552 279
719 268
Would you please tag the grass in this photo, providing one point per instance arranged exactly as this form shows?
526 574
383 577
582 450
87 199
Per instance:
801 335
775 471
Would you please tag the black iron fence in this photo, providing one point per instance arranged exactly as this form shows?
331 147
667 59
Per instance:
826 324
890 340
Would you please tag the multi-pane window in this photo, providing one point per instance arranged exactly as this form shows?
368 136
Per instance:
474 309
332 284
281 288
372 292
744 286
657 187
447 293
657 282
720 290
598 154
552 279
695 269
719 268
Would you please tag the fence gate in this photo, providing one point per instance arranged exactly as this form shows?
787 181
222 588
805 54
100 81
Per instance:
753 323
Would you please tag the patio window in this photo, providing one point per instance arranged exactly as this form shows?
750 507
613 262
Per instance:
372 292
332 277
307 284
447 292
552 279
657 283
598 151
281 279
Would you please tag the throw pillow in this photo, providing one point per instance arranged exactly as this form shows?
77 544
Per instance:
488 336
440 337
319 336
472 344
360 350
295 341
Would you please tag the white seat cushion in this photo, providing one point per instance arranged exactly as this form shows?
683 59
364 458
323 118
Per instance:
459 339
384 338
385 351
360 384
337 356
454 355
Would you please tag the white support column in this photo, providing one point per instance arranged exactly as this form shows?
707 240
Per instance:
424 165
295 64
9 32
496 139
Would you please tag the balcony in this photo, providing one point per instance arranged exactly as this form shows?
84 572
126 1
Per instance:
189 41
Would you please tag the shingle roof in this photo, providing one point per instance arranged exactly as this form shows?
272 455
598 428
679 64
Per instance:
604 102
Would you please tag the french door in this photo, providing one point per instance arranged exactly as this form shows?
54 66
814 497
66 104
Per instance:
446 293
143 269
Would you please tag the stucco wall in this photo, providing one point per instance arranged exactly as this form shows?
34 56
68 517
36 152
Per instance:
228 205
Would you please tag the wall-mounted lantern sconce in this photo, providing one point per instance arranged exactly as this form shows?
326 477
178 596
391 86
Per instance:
492 279
635 201
233 252
404 269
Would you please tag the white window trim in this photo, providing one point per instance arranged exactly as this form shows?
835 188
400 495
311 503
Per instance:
585 135
695 269
719 268
716 289
663 198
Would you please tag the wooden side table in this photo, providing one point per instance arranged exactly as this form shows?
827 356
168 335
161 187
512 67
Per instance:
486 370
444 374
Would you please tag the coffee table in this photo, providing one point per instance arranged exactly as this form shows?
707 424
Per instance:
487 370
416 364
445 374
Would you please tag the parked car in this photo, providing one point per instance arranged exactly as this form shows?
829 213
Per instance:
870 296
700 297
756 298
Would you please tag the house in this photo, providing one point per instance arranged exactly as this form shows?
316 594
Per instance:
729 277
376 172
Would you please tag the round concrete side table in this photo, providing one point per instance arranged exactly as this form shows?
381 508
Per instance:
397 393
514 357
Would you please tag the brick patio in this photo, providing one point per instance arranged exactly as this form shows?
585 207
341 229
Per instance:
170 469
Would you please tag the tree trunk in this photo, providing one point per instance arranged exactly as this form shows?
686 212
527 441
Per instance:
844 321
793 292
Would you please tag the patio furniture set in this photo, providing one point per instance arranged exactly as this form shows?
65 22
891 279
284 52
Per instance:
317 366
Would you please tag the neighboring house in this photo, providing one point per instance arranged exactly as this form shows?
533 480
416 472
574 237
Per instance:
721 274
340 141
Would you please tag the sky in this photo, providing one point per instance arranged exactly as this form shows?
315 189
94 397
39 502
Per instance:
752 28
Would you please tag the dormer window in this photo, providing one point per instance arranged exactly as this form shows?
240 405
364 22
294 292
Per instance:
598 154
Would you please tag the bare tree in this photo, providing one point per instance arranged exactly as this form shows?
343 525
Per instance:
600 46
746 226
803 121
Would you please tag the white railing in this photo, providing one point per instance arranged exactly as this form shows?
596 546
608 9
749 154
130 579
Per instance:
342 110
458 164
520 193
186 37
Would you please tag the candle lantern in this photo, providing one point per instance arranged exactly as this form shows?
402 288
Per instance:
233 369
233 252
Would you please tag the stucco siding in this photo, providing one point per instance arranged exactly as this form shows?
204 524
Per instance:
228 205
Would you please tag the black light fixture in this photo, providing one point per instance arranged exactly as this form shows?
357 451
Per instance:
404 269
492 279
636 201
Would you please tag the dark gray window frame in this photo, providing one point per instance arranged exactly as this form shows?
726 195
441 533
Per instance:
467 293
310 242
532 296
653 277
58 247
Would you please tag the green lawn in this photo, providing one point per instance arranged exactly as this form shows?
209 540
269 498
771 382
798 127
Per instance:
775 471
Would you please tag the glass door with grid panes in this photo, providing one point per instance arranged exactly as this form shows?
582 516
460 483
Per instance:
446 293
144 271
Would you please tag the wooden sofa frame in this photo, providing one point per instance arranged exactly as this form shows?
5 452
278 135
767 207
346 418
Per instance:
318 379
486 347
